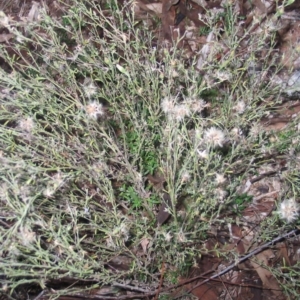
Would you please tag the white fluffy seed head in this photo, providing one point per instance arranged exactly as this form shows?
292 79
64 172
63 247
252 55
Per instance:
173 110
168 237
94 110
185 177
203 154
27 125
220 179
221 194
240 107
90 89
181 111
48 192
27 236
223 76
214 137
167 105
255 130
289 210
198 105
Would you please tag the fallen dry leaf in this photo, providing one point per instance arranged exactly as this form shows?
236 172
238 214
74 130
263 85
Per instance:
33 14
144 244
167 21
237 236
261 6
105 290
281 117
5 37
283 253
155 7
290 48
192 13
163 214
157 182
139 8
205 292
267 278
120 263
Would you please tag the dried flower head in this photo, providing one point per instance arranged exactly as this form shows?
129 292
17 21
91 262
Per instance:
89 88
27 125
110 243
214 137
289 210
185 177
221 194
255 130
220 179
181 238
24 193
58 179
4 20
4 287
94 110
240 107
124 230
223 76
49 192
27 236
168 236
181 111
174 73
4 190
236 132
198 105
167 105
202 154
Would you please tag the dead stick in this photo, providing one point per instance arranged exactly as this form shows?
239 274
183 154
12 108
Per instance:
161 280
129 287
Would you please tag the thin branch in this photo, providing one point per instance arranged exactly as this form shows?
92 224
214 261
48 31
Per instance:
129 287
252 253
163 269
40 295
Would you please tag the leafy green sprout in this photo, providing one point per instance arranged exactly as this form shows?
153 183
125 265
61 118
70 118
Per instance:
204 30
138 145
240 202
129 194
